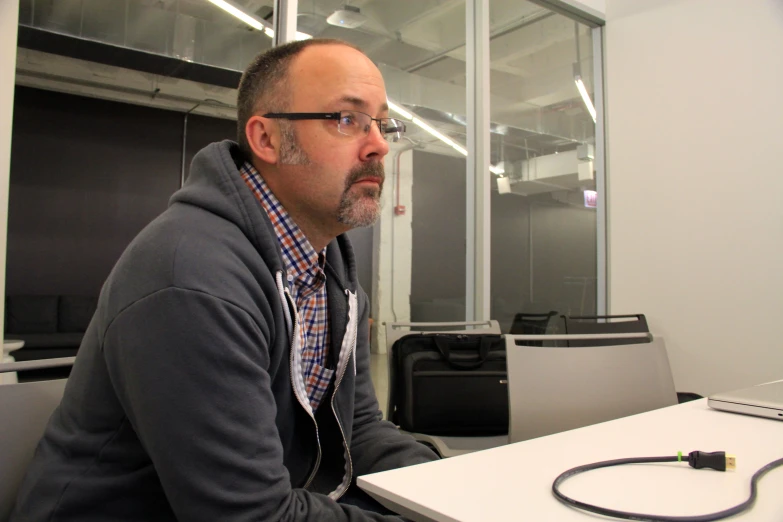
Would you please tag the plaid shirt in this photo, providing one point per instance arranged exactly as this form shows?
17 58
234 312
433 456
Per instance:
307 283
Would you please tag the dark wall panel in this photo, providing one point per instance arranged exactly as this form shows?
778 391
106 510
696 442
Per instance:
564 259
86 176
510 256
438 259
555 271
202 131
361 240
552 269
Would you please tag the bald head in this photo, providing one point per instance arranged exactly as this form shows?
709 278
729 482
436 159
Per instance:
265 84
327 172
330 78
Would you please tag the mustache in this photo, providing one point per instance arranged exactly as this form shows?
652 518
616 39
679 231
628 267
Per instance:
373 169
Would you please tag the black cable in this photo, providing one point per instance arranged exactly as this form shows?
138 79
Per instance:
697 459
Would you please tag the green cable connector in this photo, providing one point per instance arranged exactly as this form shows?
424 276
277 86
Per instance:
679 456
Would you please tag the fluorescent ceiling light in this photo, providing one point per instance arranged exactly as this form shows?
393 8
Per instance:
499 170
585 97
399 110
299 35
426 126
251 20
442 137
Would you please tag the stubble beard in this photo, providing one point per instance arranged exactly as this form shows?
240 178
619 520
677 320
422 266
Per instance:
290 151
359 206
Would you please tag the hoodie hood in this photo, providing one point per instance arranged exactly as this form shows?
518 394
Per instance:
216 185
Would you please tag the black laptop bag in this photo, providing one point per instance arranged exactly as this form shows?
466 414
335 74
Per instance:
450 384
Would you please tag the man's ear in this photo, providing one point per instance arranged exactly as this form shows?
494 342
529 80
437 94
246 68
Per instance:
264 138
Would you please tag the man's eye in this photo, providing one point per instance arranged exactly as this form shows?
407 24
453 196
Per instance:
348 120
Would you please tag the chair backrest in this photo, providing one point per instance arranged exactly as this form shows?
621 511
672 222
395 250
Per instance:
603 324
532 324
25 409
559 389
395 331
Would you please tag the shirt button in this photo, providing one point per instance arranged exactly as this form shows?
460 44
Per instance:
290 278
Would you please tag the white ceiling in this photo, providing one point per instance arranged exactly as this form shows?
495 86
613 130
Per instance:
419 44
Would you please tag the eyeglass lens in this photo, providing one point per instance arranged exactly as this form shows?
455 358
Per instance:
353 123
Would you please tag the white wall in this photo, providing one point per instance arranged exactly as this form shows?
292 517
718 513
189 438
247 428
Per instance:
695 178
9 17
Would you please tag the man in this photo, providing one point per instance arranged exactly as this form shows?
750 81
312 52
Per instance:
225 375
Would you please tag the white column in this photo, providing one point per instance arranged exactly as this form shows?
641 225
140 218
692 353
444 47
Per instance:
392 250
285 21
600 170
477 301
9 17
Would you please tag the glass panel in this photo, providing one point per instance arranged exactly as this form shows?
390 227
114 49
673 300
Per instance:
153 30
542 138
190 30
250 43
420 50
62 16
106 21
25 12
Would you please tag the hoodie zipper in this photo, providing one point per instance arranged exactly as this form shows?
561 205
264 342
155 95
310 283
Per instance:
353 332
293 318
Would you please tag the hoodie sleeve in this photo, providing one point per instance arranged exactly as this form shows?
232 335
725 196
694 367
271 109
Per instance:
377 445
190 371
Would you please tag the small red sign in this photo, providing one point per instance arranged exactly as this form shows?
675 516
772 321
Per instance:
591 199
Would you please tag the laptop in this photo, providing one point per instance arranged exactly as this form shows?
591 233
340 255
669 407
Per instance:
765 400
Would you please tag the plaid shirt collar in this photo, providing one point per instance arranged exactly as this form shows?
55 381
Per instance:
303 263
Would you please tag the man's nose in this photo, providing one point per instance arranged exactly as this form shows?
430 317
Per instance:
376 146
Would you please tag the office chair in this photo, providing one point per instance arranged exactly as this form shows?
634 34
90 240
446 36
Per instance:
445 446
558 389
25 409
599 324
532 324
604 324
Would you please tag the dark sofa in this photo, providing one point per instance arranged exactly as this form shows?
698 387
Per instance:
50 326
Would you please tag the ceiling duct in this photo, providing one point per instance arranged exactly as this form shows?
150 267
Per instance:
562 171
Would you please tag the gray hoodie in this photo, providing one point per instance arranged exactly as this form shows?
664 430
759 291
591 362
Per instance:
186 402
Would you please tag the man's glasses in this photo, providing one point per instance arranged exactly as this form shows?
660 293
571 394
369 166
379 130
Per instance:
350 123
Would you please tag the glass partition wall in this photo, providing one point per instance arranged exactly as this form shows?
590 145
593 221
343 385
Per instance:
420 242
544 158
544 226
189 30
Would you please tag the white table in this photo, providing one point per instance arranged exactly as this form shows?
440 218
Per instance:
9 345
514 482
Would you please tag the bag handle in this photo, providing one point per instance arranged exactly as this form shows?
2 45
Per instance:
445 351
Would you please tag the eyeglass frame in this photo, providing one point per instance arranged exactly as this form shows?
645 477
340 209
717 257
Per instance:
299 116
